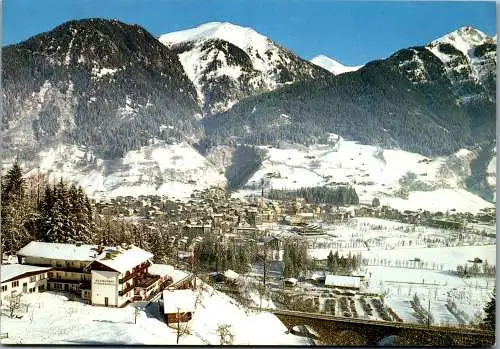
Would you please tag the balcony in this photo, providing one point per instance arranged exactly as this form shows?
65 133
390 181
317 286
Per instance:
70 269
139 270
146 280
126 289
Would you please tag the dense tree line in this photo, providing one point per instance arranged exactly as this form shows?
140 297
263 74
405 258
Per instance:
342 195
343 265
34 209
54 213
213 255
476 270
295 260
65 215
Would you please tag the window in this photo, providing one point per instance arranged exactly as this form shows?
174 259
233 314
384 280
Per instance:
33 278
15 283
4 288
51 275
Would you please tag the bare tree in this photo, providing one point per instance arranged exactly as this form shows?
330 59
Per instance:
225 333
13 302
181 330
137 311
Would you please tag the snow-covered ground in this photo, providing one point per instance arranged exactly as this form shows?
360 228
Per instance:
174 170
53 319
373 172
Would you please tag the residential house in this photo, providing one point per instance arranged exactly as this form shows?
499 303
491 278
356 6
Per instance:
21 278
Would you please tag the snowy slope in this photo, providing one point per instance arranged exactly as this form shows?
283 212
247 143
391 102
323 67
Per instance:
332 65
373 172
174 170
239 60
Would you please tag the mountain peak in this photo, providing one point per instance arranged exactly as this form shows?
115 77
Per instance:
242 37
333 66
464 39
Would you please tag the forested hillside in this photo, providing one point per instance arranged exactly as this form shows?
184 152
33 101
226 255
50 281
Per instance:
412 101
103 84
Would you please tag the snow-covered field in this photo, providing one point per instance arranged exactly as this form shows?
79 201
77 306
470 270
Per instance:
399 285
373 172
393 271
174 170
394 241
53 319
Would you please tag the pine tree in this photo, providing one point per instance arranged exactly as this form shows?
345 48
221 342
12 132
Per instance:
490 310
16 215
13 184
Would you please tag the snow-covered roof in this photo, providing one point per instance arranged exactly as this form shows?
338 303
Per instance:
10 271
178 300
125 259
161 269
51 250
229 274
342 281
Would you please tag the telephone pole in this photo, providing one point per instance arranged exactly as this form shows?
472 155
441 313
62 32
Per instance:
265 260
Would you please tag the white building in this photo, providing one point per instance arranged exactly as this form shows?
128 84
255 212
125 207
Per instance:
68 262
115 275
349 282
105 276
20 278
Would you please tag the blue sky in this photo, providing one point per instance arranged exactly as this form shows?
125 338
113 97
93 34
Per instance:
352 32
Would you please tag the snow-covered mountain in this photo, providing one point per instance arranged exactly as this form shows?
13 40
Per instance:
108 106
469 57
103 84
332 65
228 63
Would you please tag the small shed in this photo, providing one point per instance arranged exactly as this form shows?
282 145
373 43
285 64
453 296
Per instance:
231 275
178 305
343 282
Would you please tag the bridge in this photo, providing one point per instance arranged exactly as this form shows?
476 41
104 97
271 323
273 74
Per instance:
340 331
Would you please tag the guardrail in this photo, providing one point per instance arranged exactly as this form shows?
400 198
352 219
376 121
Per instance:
461 330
